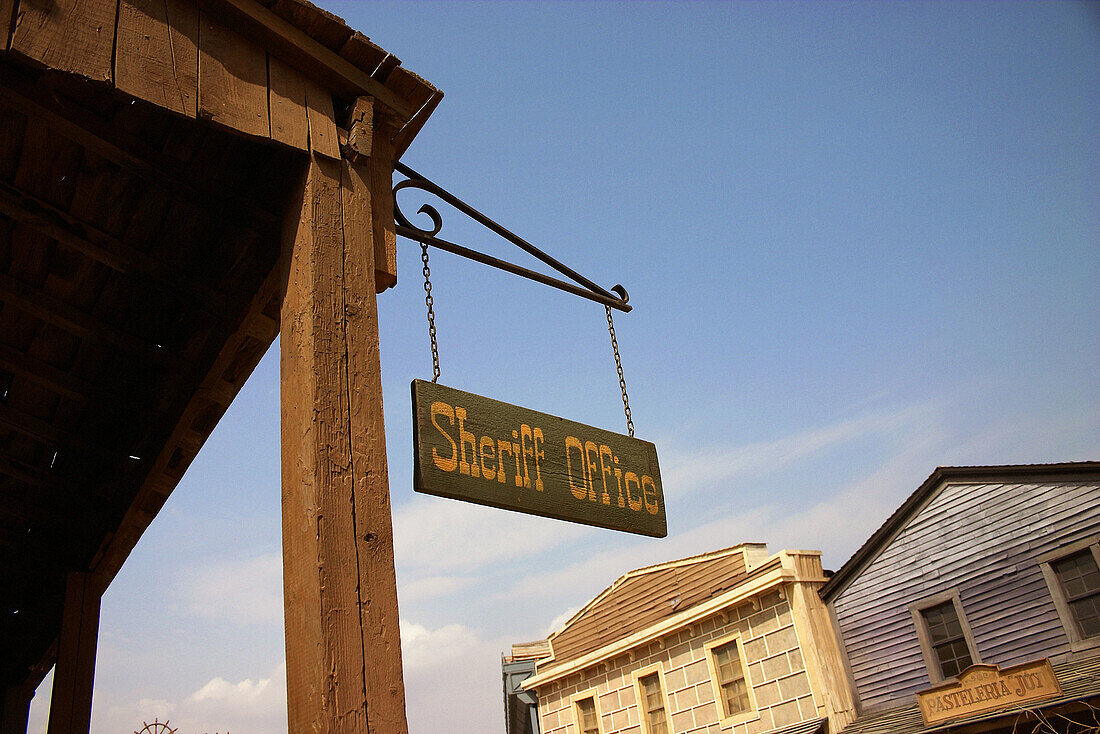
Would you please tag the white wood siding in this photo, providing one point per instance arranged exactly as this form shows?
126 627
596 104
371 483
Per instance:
982 539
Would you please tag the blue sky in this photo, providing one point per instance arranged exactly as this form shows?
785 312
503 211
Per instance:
861 240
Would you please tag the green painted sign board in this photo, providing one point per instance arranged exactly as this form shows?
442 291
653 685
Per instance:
473 448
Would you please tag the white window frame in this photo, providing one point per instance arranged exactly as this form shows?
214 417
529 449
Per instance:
931 660
574 705
715 681
1054 585
639 695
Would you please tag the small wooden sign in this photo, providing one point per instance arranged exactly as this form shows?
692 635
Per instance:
472 448
982 688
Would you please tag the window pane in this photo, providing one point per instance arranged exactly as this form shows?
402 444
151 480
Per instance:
954 657
948 642
654 705
1080 581
587 709
731 679
1078 574
942 622
1087 613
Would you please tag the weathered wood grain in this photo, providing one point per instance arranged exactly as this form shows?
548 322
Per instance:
157 56
360 127
232 80
361 52
371 496
287 104
322 123
301 592
343 644
296 47
7 10
381 187
555 467
71 701
75 36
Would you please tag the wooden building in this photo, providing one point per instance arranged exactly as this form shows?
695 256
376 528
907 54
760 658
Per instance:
730 641
991 569
179 183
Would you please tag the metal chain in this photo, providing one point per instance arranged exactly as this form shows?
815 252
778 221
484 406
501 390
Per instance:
619 367
431 313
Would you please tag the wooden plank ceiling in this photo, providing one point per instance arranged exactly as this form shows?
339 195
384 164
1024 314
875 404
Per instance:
133 244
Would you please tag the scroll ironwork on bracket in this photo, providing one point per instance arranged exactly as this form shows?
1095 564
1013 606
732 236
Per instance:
616 298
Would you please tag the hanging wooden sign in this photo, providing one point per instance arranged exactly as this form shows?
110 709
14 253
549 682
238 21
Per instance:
477 449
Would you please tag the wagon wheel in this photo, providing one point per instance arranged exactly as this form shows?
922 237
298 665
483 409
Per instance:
157 727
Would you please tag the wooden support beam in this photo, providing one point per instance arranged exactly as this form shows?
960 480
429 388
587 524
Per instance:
77 36
71 704
34 477
156 53
342 632
15 292
55 437
88 240
381 201
44 375
15 708
360 127
7 13
232 79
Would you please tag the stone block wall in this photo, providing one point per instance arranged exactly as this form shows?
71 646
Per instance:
774 664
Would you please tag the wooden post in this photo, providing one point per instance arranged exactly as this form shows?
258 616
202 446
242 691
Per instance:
71 701
15 708
340 592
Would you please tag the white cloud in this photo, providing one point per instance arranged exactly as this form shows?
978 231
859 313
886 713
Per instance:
452 678
424 649
246 707
219 689
432 587
433 536
702 468
244 592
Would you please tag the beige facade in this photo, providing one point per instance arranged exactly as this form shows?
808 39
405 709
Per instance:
730 641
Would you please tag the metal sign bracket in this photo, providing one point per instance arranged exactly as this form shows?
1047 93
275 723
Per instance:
616 298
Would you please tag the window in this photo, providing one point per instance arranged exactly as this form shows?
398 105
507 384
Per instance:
729 679
948 642
1073 576
588 721
651 702
945 638
1080 580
